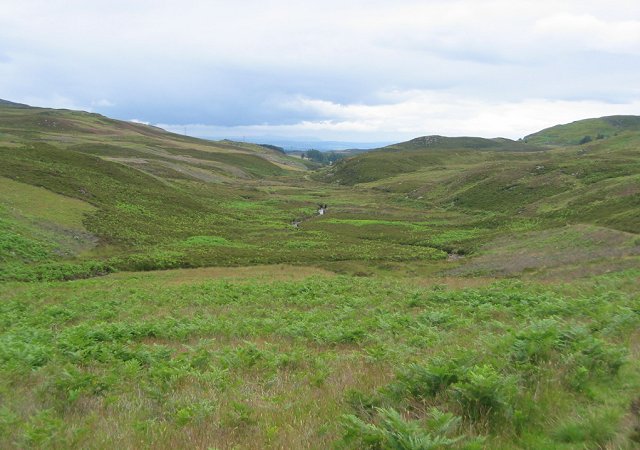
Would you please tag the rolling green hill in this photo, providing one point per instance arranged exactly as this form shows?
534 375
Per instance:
420 152
596 182
143 147
583 131
460 143
157 200
143 187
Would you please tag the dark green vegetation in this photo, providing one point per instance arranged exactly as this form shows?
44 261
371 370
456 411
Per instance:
324 157
458 292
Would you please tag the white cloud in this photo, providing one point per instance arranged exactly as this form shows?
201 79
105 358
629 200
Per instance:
103 103
142 122
586 32
423 113
54 100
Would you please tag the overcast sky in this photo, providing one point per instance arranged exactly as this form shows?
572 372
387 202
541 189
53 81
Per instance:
333 70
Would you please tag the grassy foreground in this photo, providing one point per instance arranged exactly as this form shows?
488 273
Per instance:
178 359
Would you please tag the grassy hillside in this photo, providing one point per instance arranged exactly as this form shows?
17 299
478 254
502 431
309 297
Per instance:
157 200
37 225
146 185
584 131
143 147
412 155
458 143
596 182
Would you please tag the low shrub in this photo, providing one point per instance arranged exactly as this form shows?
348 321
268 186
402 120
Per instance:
392 431
535 343
485 393
55 271
419 381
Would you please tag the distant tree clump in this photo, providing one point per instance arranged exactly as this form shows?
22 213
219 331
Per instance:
585 140
322 157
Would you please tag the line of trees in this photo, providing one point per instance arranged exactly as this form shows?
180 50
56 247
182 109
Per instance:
323 157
